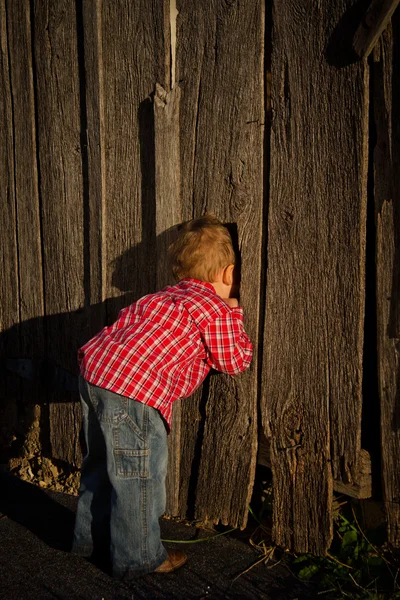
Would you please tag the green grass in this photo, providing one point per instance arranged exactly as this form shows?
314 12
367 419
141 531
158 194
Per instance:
359 564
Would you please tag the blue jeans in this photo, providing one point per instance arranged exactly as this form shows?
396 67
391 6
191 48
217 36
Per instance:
122 493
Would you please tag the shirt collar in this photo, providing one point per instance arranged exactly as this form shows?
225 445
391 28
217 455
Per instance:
201 285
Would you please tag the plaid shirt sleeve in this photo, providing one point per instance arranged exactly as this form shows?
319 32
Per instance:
229 349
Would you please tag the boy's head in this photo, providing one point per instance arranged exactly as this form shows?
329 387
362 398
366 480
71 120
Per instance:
202 250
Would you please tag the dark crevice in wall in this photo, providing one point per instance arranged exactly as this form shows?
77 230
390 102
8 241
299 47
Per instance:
394 317
146 283
84 151
266 196
370 428
195 467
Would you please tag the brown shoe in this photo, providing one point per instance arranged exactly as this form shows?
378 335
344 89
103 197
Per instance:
175 559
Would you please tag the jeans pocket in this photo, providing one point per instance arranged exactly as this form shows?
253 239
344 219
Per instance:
131 447
131 463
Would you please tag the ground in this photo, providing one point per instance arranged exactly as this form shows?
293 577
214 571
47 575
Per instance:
35 563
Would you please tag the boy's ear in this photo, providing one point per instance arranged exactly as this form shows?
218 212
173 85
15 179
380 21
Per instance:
227 275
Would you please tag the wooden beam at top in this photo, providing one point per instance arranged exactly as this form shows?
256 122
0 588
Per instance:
373 24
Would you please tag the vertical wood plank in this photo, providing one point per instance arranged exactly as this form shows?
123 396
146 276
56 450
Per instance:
313 342
9 285
95 201
220 70
168 215
167 176
61 187
28 212
386 89
135 51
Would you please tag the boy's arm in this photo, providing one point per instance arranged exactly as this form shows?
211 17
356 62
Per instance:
229 348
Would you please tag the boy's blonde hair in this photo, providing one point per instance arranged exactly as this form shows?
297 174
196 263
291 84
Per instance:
202 249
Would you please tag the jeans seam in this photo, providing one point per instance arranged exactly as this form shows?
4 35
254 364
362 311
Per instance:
145 553
90 390
145 421
144 490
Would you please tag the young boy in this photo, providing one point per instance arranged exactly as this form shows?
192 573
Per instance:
159 349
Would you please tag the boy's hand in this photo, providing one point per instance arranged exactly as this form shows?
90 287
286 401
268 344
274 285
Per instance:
231 302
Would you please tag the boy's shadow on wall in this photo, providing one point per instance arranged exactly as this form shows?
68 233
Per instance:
39 377
38 360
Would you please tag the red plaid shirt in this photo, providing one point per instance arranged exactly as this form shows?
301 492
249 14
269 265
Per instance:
162 346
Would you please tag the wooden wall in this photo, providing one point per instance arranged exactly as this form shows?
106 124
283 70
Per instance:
274 125
314 319
386 160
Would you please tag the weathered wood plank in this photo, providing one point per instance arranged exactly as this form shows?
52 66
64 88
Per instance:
95 199
386 90
373 24
61 185
191 436
167 176
9 284
313 342
360 489
135 57
219 44
168 215
28 213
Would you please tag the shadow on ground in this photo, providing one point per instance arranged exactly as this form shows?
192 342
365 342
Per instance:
35 562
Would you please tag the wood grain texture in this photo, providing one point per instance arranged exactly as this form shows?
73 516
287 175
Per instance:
167 176
9 284
192 420
95 200
220 69
27 210
386 90
313 342
360 489
135 48
61 187
168 216
26 177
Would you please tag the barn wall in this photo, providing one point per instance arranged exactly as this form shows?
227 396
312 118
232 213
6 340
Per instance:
313 341
387 219
267 126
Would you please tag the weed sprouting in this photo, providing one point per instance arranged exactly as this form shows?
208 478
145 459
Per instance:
359 564
355 567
